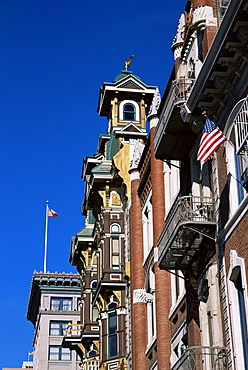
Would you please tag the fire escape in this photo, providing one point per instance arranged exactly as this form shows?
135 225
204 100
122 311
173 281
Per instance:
188 238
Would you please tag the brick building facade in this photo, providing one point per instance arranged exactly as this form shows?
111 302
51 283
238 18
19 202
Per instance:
163 253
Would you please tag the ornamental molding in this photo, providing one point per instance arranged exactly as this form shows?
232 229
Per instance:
179 37
134 175
140 295
177 52
103 315
154 105
137 150
204 15
153 122
121 311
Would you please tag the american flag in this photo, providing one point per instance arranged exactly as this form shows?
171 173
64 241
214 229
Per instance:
212 138
51 213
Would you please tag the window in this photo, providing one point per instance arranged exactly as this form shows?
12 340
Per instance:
237 154
147 221
95 313
58 353
115 253
112 334
115 228
112 330
61 304
94 284
58 327
150 303
237 288
129 112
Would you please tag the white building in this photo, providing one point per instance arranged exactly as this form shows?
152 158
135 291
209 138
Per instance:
53 303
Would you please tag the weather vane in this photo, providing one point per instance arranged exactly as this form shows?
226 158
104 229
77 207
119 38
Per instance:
127 63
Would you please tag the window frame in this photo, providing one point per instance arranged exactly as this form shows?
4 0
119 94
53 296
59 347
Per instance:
61 301
115 254
147 221
113 336
60 353
237 266
136 111
235 157
61 330
127 112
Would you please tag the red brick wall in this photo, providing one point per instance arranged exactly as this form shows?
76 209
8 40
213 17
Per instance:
137 279
162 278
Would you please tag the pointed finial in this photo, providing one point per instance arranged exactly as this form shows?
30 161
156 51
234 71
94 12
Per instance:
127 63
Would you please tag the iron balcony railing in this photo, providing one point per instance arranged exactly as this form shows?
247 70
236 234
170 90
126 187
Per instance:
90 364
74 330
187 212
178 94
202 358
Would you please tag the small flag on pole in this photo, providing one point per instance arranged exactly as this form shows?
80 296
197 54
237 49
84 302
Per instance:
51 213
212 138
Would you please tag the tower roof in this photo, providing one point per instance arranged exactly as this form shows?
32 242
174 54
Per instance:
124 74
125 82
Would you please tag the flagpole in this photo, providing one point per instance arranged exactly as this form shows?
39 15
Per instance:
46 233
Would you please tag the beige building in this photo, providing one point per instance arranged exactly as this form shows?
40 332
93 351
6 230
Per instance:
53 304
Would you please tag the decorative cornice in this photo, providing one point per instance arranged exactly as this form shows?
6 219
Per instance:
140 295
177 52
203 15
154 105
134 175
153 122
136 154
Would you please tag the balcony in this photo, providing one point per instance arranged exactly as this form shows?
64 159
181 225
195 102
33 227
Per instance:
90 364
173 137
74 330
202 358
79 340
188 237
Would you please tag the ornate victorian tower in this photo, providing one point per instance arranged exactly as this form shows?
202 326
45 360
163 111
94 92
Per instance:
103 249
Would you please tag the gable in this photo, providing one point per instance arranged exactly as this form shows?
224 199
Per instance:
130 128
130 85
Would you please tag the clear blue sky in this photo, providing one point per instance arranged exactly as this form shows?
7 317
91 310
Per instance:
54 56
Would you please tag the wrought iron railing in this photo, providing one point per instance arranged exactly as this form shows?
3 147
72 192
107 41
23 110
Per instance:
178 94
74 330
90 364
186 209
202 358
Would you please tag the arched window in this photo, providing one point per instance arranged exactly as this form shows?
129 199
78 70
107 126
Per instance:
129 112
115 228
237 152
94 284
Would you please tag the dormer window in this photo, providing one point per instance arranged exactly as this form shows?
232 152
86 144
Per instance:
129 112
